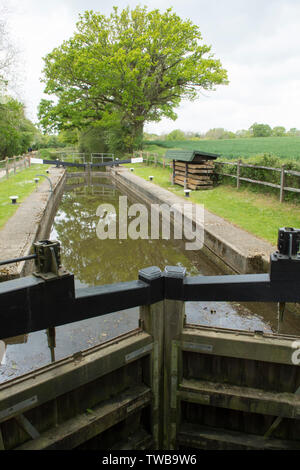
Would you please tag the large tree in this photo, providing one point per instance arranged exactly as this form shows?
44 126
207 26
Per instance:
16 131
126 69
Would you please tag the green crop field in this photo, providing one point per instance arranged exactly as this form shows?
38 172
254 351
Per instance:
287 148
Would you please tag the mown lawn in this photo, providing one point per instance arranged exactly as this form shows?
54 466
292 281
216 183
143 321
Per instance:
259 214
21 184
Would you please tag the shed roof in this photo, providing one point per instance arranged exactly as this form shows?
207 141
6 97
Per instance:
189 155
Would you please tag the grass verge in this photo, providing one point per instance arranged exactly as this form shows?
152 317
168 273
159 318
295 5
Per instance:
259 214
21 184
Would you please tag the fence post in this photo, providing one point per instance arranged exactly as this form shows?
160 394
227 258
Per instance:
282 177
173 173
15 166
88 174
186 176
7 168
238 172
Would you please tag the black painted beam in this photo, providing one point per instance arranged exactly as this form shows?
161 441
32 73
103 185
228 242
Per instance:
31 304
83 165
240 288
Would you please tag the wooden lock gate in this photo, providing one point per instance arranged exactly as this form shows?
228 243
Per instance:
166 385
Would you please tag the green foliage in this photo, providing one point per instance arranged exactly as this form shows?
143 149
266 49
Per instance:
177 134
293 132
44 141
16 131
92 140
134 66
260 130
219 133
279 131
68 136
243 133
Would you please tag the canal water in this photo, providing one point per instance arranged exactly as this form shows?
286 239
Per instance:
97 262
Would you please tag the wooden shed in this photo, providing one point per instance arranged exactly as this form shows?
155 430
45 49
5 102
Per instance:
192 169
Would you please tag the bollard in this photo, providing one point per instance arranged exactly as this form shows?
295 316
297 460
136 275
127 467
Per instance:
187 192
14 199
151 178
131 169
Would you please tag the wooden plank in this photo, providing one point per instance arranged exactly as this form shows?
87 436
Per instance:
191 435
246 165
194 180
63 376
278 420
291 172
193 175
152 319
244 345
238 174
1 441
201 171
194 165
282 178
173 324
240 398
27 426
84 427
264 183
294 190
193 186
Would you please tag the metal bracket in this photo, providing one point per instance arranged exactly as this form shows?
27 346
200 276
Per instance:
48 260
285 262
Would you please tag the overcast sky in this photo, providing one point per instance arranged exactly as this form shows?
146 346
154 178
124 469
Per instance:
257 41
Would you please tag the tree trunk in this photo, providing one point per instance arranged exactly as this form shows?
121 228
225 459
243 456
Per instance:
137 135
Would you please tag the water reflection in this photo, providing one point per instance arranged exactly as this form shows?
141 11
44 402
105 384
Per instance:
96 262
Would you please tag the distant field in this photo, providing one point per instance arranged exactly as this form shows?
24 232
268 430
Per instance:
284 147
